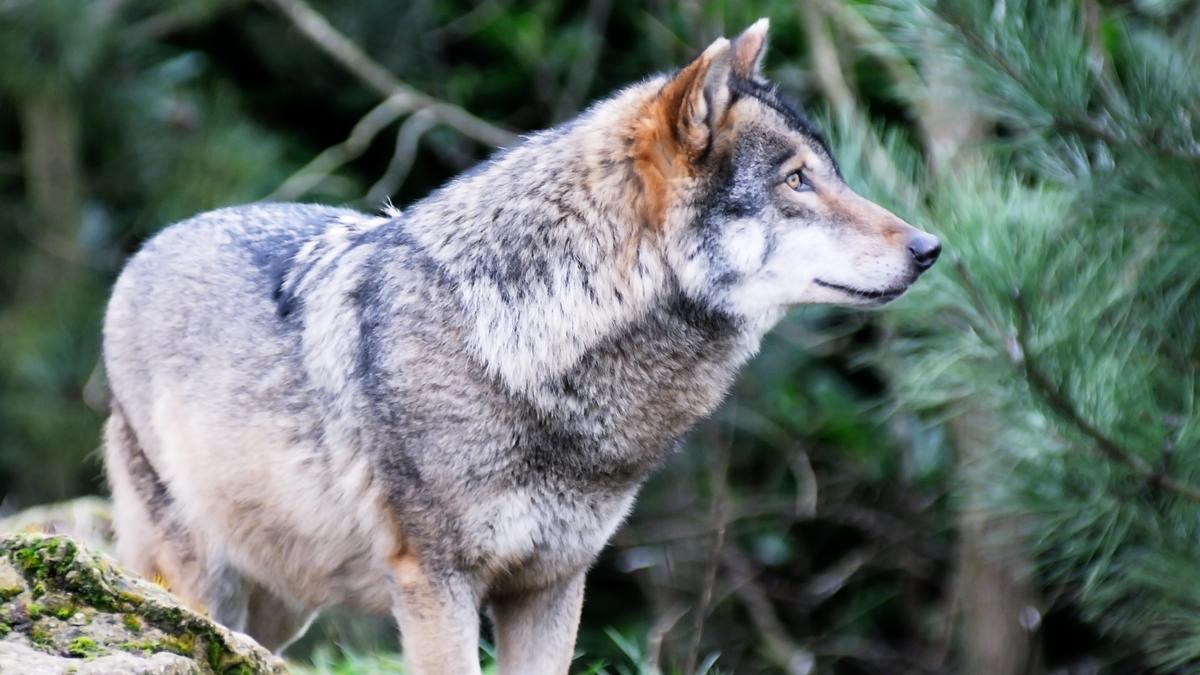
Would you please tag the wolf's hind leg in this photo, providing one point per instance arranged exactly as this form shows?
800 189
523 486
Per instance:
155 541
274 622
137 510
225 594
535 631
150 541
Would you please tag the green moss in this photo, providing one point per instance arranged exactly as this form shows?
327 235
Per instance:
132 599
84 647
65 611
35 611
5 629
184 645
30 563
165 616
146 647
73 581
54 563
40 636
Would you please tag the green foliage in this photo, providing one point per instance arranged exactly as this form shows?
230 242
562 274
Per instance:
1060 325
1064 320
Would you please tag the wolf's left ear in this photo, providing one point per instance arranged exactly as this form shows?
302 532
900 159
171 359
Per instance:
749 48
695 101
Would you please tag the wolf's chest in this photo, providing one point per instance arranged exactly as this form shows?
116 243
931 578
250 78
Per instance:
530 536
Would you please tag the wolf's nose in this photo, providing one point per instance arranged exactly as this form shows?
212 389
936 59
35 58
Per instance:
925 249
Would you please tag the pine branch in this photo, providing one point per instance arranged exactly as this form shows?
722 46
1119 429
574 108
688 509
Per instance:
1059 402
1016 349
1080 124
350 56
1087 126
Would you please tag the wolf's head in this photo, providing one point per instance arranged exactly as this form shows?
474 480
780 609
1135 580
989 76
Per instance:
750 204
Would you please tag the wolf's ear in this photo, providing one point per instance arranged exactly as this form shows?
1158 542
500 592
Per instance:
695 101
749 48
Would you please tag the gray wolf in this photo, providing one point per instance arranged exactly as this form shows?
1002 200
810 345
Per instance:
450 409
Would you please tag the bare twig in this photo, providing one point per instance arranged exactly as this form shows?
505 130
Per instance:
654 640
321 33
471 21
408 139
331 159
718 517
806 483
835 577
583 69
177 18
780 647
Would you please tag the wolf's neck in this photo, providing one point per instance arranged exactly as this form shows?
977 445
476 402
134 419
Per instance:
543 245
630 398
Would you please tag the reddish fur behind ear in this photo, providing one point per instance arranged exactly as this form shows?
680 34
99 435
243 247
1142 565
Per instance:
672 133
656 160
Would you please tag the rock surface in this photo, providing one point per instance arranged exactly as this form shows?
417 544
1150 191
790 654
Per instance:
67 609
87 520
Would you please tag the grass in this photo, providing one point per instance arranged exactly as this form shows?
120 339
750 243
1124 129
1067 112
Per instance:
332 661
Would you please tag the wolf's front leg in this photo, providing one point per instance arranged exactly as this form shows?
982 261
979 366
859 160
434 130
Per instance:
535 631
438 614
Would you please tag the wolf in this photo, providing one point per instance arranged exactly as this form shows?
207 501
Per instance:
447 410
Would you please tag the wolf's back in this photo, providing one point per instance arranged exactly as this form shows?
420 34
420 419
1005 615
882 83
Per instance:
203 291
194 321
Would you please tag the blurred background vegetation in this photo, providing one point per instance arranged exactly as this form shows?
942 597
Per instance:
999 474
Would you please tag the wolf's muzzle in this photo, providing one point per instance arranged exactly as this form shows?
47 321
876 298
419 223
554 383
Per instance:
925 249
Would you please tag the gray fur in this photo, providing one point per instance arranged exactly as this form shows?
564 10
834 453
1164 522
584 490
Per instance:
453 407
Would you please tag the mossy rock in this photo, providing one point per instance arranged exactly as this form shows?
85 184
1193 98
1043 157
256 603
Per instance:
67 609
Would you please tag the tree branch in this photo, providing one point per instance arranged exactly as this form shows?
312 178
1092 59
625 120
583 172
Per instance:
583 70
350 56
1070 122
780 647
177 18
1061 405
718 518
334 157
408 140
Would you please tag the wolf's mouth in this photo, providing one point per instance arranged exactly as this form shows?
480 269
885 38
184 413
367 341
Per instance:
883 295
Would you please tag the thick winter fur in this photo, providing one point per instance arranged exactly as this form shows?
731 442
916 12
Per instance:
452 408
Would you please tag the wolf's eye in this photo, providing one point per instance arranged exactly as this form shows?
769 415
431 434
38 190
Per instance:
795 180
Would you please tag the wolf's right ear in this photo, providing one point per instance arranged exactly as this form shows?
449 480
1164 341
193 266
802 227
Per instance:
695 101
749 48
